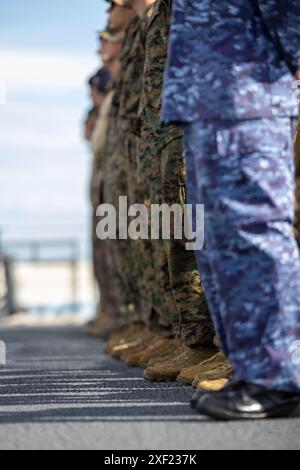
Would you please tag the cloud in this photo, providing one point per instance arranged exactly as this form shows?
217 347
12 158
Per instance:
43 160
52 72
40 126
46 99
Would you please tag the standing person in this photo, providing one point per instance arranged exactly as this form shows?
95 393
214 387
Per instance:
121 181
116 185
126 102
90 122
153 261
97 85
107 308
181 303
230 84
130 88
108 311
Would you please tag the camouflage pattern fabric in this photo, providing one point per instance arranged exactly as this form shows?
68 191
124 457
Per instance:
150 285
120 251
297 192
106 284
244 173
107 287
161 164
132 64
232 60
127 255
229 82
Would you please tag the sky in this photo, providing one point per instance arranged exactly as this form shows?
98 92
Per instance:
47 51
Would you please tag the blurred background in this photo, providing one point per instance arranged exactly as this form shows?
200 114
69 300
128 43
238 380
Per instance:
47 52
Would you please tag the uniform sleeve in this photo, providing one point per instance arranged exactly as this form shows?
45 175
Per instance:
281 22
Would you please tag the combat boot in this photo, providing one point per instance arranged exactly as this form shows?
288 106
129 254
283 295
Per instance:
171 350
142 343
103 326
221 371
169 370
161 349
134 342
154 350
188 375
126 334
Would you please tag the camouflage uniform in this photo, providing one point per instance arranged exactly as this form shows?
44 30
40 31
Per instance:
297 197
132 64
161 161
119 180
229 81
149 286
106 282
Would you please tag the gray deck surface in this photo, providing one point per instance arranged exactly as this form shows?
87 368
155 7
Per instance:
59 391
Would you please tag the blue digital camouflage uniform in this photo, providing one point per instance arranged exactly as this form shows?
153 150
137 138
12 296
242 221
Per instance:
229 82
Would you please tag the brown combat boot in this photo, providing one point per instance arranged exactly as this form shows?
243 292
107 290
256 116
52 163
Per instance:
142 343
102 326
134 342
127 333
172 350
163 349
168 371
188 375
156 349
221 371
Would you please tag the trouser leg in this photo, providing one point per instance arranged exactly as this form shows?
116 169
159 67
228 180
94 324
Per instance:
245 178
196 326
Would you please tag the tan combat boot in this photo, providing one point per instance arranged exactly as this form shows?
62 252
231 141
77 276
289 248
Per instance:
141 345
161 350
157 348
219 372
172 349
102 326
127 333
168 371
188 375
133 343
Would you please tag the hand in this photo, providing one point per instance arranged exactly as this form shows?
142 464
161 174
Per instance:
298 75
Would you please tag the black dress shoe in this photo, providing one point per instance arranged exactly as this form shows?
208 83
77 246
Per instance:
196 397
242 401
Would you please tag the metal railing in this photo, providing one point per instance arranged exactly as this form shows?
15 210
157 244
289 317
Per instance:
7 288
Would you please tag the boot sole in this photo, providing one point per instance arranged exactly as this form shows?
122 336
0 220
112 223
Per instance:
131 364
160 378
184 380
145 362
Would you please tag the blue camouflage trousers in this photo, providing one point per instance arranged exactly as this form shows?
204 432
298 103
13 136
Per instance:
243 172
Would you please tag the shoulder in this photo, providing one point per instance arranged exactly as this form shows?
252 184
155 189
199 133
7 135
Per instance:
161 6
161 11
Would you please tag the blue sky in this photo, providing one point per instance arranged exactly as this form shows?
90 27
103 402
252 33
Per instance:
55 24
47 50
